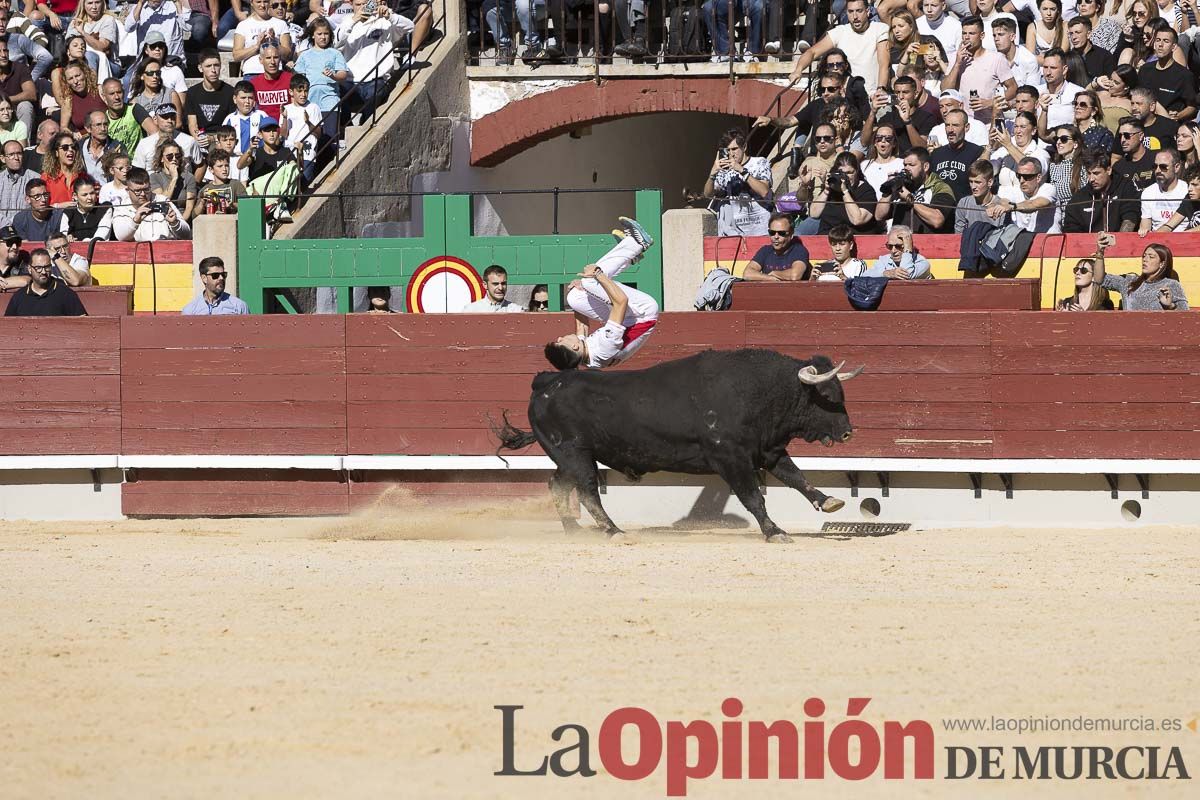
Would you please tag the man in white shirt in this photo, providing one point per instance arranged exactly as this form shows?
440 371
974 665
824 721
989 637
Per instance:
495 291
1057 103
1161 199
1031 205
1024 65
629 315
988 13
952 100
365 39
149 217
864 42
978 73
944 28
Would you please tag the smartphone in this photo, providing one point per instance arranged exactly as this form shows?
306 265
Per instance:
974 94
372 6
159 208
827 266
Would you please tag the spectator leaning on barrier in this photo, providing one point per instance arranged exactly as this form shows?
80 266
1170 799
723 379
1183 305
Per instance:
367 41
1032 205
45 296
214 300
1187 216
1157 288
745 182
12 182
495 291
902 261
148 217
39 220
1088 295
539 298
14 268
1106 202
917 198
73 268
845 263
784 259
1161 200
974 207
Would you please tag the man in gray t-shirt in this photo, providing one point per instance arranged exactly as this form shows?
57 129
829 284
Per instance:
973 207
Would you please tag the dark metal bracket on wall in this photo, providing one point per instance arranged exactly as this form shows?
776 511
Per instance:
852 477
976 483
1007 479
885 483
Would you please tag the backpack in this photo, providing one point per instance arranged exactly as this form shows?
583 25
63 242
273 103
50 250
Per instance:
1006 248
686 39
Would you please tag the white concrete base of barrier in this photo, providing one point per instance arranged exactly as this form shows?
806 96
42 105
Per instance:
927 493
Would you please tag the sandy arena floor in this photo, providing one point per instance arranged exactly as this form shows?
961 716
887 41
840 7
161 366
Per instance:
362 658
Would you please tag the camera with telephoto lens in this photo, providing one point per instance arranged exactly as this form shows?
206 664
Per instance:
901 181
837 182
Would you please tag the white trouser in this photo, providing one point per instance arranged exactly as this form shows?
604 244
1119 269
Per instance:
591 300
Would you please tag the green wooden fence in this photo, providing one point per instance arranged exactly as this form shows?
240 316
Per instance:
267 266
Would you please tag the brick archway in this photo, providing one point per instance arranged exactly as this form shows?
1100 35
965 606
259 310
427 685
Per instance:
524 123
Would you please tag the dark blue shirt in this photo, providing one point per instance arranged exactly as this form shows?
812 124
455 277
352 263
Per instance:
770 261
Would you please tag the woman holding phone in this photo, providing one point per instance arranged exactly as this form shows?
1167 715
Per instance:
1157 288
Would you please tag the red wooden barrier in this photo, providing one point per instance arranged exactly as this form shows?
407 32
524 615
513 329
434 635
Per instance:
98 301
1020 294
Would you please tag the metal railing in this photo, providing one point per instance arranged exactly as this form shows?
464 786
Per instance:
590 37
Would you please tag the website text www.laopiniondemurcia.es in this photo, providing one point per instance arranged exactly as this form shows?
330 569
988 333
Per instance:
853 749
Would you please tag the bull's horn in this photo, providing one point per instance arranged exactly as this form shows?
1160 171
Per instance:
845 376
810 375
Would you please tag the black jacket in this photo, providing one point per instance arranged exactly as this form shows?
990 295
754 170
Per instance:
1088 212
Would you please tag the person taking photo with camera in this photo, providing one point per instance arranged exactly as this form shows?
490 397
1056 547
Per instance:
917 198
845 198
745 182
149 217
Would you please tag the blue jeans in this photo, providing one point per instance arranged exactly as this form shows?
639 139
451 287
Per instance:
716 19
93 60
227 23
372 92
202 30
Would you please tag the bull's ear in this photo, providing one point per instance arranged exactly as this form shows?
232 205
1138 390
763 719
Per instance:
845 376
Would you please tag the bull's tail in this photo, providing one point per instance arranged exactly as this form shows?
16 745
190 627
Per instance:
511 438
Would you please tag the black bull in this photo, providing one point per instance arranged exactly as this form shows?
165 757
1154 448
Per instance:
728 413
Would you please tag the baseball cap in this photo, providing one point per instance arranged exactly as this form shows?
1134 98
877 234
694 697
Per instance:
8 233
154 37
952 94
165 110
268 124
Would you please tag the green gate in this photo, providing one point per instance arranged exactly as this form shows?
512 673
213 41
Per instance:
268 266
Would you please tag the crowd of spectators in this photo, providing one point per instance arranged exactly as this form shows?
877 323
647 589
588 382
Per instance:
116 123
1076 119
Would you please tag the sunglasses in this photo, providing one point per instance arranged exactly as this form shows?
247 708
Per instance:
822 138
836 64
779 233
66 147
895 245
1083 105
1028 176
885 138
171 157
150 74
541 306
1081 270
828 89
215 275
1163 167
1064 138
1125 135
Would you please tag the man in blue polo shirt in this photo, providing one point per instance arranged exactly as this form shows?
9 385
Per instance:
784 259
214 300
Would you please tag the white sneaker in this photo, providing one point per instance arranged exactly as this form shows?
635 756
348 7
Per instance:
771 47
749 58
801 46
720 60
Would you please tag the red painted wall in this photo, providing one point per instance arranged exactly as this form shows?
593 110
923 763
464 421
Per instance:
979 384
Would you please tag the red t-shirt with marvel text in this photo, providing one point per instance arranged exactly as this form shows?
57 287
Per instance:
272 95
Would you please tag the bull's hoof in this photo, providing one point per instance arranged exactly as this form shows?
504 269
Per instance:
571 526
779 538
832 504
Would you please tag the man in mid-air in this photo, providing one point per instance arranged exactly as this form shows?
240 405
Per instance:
628 315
